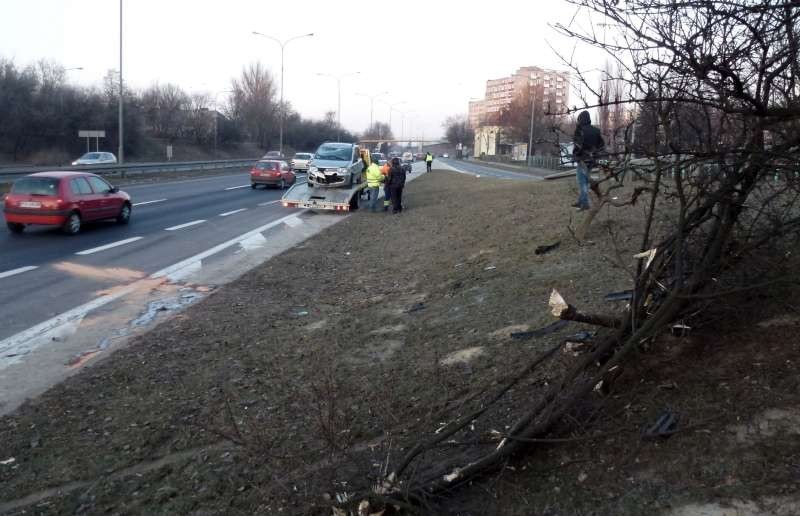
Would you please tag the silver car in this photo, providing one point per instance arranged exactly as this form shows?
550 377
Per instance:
335 165
301 161
96 158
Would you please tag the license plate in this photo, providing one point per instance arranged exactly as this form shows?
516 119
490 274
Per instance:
30 204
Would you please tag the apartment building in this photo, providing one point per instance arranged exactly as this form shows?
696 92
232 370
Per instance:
476 114
549 87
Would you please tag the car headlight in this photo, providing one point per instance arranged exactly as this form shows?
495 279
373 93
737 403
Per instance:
342 170
312 170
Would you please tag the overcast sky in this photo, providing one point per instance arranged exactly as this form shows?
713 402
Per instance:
434 56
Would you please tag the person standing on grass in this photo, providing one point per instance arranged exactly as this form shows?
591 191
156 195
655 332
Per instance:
397 181
374 180
428 160
386 195
588 143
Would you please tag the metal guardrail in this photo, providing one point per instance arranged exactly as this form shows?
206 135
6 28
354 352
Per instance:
10 173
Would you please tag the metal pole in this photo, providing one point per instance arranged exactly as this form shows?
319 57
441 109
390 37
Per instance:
371 111
339 109
120 156
530 135
280 108
216 118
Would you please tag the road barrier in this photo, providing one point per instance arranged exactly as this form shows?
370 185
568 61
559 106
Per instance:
10 173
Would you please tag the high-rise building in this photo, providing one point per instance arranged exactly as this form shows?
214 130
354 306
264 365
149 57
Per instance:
550 90
476 113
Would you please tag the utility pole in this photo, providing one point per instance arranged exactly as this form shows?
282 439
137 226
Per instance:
530 135
372 103
280 107
120 157
339 99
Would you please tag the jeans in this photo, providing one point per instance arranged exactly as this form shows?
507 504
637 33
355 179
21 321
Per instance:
428 165
583 175
373 198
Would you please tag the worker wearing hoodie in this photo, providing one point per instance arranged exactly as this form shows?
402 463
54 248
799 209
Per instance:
588 145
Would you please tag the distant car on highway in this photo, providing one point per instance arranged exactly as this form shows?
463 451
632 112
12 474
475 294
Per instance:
66 199
273 154
96 158
272 172
408 157
301 161
419 156
445 155
379 158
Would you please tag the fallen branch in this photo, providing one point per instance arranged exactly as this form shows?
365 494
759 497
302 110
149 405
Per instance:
567 312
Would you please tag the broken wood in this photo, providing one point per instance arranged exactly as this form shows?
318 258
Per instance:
567 312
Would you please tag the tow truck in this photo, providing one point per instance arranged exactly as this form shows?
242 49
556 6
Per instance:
338 198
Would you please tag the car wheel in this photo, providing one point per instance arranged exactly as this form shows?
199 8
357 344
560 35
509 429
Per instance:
72 226
253 186
124 214
15 227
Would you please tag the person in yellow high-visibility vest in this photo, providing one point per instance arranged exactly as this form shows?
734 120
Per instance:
428 160
374 181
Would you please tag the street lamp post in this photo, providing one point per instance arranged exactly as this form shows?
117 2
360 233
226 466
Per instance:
283 46
339 99
120 157
391 108
372 103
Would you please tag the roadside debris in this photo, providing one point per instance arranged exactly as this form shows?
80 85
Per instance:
680 330
623 295
542 249
417 307
580 342
490 268
550 328
10 460
665 425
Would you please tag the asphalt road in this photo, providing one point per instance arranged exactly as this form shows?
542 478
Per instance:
487 170
44 272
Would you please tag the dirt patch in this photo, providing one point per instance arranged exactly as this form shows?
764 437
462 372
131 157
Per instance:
320 368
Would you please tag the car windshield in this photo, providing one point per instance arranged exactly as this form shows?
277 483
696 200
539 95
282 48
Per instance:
91 155
302 156
267 165
334 152
36 186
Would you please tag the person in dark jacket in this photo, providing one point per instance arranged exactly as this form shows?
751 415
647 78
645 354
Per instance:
397 180
588 144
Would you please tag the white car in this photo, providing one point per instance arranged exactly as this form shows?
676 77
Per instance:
301 161
445 155
96 158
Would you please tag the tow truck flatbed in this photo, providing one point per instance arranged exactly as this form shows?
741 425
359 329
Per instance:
338 199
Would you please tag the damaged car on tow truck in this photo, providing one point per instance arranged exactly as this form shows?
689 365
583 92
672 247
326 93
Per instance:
335 165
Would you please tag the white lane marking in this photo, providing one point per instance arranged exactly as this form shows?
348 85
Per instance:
108 246
194 263
72 315
232 212
270 202
20 270
148 202
293 222
175 268
181 226
237 187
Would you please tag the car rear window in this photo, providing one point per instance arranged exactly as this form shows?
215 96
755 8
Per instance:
267 165
302 156
36 186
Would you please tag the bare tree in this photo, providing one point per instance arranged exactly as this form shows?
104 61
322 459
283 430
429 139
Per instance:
718 85
457 130
253 103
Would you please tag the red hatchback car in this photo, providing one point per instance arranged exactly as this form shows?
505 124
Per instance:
270 172
66 199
